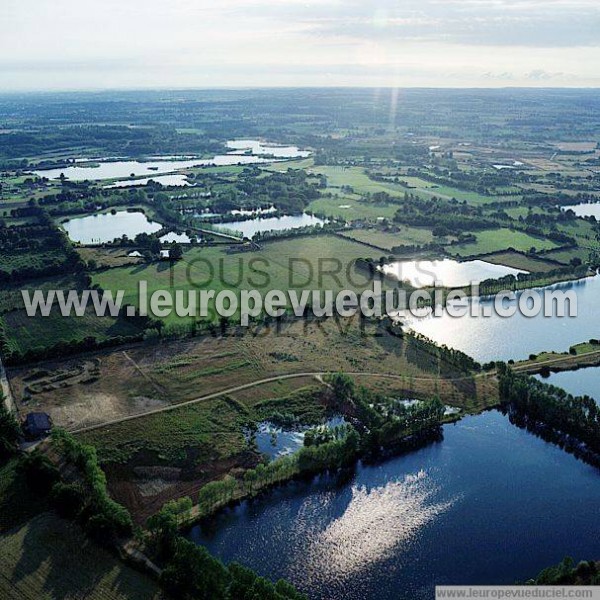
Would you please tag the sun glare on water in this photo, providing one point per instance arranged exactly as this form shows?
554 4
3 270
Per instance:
376 524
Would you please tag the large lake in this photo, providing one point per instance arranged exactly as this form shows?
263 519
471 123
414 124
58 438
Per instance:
489 504
252 226
121 169
98 229
448 272
497 338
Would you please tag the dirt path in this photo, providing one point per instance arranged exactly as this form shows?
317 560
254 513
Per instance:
316 374
319 375
536 366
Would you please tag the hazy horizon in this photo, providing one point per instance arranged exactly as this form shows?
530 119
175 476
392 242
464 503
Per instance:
79 46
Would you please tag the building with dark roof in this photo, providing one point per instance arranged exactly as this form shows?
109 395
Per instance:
37 424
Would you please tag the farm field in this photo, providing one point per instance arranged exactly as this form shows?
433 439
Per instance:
50 558
296 263
386 240
428 189
566 255
516 260
352 208
495 240
108 257
26 334
357 179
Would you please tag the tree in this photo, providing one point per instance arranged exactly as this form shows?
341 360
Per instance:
9 431
155 246
175 253
193 573
343 386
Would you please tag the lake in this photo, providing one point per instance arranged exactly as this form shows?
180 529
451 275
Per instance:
450 273
180 238
250 227
583 382
585 210
489 504
167 180
121 169
497 338
258 147
243 212
101 228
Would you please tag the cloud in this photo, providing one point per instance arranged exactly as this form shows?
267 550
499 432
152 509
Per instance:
471 22
152 43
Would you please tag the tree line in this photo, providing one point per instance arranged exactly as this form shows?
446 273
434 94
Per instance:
573 422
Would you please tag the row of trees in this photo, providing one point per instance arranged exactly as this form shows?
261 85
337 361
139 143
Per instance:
88 499
191 572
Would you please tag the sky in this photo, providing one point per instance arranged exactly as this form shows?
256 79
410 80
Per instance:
133 44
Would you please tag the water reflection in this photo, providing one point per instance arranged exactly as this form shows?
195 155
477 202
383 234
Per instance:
583 382
591 209
490 504
448 272
516 337
252 226
120 169
167 180
102 228
375 524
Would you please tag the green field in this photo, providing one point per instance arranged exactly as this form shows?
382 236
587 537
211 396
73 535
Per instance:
36 333
406 236
352 208
428 189
357 179
495 240
565 256
520 261
296 263
50 558
214 428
